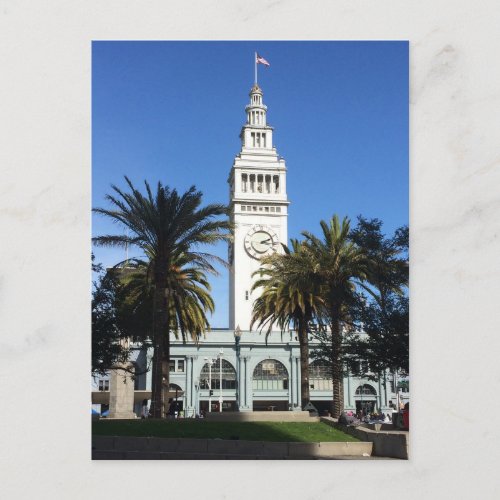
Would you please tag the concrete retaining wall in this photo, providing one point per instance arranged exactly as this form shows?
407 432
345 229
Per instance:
152 448
261 416
386 443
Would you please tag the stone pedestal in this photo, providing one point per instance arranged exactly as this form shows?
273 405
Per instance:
121 394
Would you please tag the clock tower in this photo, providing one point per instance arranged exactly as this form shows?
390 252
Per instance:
259 208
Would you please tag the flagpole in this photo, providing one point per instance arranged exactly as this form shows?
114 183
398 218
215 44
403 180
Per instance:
255 61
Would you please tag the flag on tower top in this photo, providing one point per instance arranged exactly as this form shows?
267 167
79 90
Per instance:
261 60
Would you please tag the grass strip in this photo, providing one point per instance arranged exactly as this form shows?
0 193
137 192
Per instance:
198 428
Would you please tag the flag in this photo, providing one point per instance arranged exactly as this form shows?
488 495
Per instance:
261 60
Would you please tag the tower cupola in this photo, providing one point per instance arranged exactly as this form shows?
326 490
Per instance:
256 110
256 133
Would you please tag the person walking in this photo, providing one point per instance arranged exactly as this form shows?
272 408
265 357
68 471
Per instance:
144 411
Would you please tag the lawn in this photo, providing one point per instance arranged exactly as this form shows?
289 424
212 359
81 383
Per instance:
199 428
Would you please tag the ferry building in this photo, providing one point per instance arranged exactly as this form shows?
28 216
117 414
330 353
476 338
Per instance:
235 369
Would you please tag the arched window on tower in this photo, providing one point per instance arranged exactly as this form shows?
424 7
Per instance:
270 374
252 183
259 183
276 183
268 183
244 182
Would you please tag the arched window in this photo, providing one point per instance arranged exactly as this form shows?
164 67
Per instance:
366 389
228 375
320 377
175 388
276 183
268 183
270 375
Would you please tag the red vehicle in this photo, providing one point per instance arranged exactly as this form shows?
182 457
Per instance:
406 417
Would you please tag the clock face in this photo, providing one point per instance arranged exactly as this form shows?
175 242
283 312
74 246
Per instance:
260 241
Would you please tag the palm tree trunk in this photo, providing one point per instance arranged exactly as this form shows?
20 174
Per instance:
157 376
304 364
166 356
160 371
337 369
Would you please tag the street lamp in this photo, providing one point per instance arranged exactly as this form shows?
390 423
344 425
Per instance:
209 362
237 337
221 353
197 397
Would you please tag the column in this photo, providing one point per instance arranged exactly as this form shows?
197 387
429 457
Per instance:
379 395
291 398
187 392
241 383
345 389
386 391
149 373
350 402
121 393
248 384
191 385
238 187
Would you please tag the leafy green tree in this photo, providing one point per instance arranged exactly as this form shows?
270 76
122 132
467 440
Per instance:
339 266
383 313
166 226
107 348
289 299
384 341
388 258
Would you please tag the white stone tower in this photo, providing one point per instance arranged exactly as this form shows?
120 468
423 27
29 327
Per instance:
259 208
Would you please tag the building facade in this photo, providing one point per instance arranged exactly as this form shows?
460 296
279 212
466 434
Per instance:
255 376
235 369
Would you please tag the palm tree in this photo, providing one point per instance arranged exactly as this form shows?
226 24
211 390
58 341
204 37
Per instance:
167 226
339 265
191 298
289 298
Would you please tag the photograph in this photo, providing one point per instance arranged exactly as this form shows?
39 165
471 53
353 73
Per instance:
250 250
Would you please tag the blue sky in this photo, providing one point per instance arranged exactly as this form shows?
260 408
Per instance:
172 111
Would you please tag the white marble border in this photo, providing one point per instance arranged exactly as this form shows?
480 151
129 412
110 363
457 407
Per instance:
44 247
